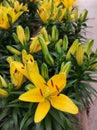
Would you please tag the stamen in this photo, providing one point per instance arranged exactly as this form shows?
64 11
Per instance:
31 60
57 88
52 83
45 84
15 71
23 63
41 10
41 92
22 67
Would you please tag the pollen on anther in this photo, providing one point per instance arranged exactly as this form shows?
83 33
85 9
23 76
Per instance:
52 83
22 67
31 60
15 71
45 84
41 92
57 88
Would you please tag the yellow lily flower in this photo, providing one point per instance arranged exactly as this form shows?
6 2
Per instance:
22 67
14 13
35 45
44 10
57 2
4 23
49 10
19 6
69 3
16 77
16 5
44 14
47 94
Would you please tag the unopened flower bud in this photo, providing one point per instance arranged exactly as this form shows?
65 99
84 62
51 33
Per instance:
55 33
21 34
27 34
3 82
65 43
65 67
58 48
83 15
44 71
29 86
9 59
3 93
43 45
49 59
72 49
13 50
88 46
80 54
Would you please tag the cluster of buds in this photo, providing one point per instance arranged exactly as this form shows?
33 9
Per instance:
9 14
83 53
54 10
21 35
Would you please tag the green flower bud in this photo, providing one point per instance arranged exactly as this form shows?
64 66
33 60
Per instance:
76 14
72 49
3 82
15 37
13 50
80 55
44 71
27 33
65 43
65 67
89 46
55 33
49 60
43 45
58 47
3 93
29 86
9 59
83 15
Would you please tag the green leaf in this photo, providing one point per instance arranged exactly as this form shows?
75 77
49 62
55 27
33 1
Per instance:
48 123
3 113
25 118
38 126
56 126
56 115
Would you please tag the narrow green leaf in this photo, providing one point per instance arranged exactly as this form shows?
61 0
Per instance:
48 124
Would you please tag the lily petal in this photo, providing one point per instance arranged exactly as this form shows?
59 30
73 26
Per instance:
17 77
35 46
35 77
64 103
57 83
24 55
29 58
38 81
41 111
20 67
33 95
32 68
